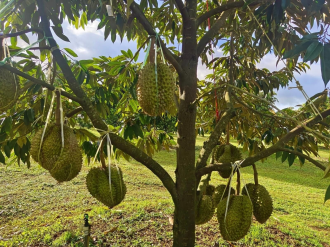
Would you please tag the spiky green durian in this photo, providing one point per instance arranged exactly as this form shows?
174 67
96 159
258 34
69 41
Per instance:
261 201
209 190
63 163
154 98
205 210
9 89
226 154
239 217
97 182
219 193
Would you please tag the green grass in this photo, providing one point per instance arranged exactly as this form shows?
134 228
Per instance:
37 211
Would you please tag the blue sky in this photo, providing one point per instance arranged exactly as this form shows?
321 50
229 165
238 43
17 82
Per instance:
90 43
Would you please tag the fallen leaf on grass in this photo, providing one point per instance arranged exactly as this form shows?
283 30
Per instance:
171 220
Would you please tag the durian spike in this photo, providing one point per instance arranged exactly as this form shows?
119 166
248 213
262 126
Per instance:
255 174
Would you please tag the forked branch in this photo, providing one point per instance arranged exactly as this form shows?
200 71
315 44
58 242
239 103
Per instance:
182 9
212 32
139 15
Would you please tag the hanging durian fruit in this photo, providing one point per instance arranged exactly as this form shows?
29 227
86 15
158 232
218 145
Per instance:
238 219
205 210
156 99
209 190
261 201
226 154
156 96
97 181
219 193
9 86
63 163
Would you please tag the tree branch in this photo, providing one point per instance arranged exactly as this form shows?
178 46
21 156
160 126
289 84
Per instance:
74 112
218 10
8 35
255 111
213 139
182 9
172 58
212 32
317 164
39 82
97 121
147 161
267 152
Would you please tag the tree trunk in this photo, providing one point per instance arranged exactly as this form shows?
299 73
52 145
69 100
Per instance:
184 216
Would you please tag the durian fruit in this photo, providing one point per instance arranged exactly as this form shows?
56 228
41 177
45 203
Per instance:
10 90
261 201
209 190
219 193
205 210
156 99
63 165
239 217
97 181
226 154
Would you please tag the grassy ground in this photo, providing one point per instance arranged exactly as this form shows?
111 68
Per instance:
37 211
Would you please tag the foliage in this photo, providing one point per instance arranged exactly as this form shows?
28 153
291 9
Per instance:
99 94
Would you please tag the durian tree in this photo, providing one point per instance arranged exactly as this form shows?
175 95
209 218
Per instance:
235 101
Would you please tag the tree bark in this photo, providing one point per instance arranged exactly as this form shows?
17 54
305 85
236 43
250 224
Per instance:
184 216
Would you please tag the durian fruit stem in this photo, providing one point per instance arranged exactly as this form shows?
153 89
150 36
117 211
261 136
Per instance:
102 158
255 174
2 50
238 185
228 136
152 50
58 108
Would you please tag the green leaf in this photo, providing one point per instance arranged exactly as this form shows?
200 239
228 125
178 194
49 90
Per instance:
7 150
25 38
137 130
325 64
107 31
28 66
2 158
297 49
71 52
291 159
285 4
327 194
81 77
30 114
313 51
284 156
7 125
13 41
113 35
59 32
327 172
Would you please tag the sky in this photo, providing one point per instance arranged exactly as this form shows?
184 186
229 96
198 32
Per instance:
90 43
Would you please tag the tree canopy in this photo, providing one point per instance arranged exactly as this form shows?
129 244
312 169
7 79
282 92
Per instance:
237 100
